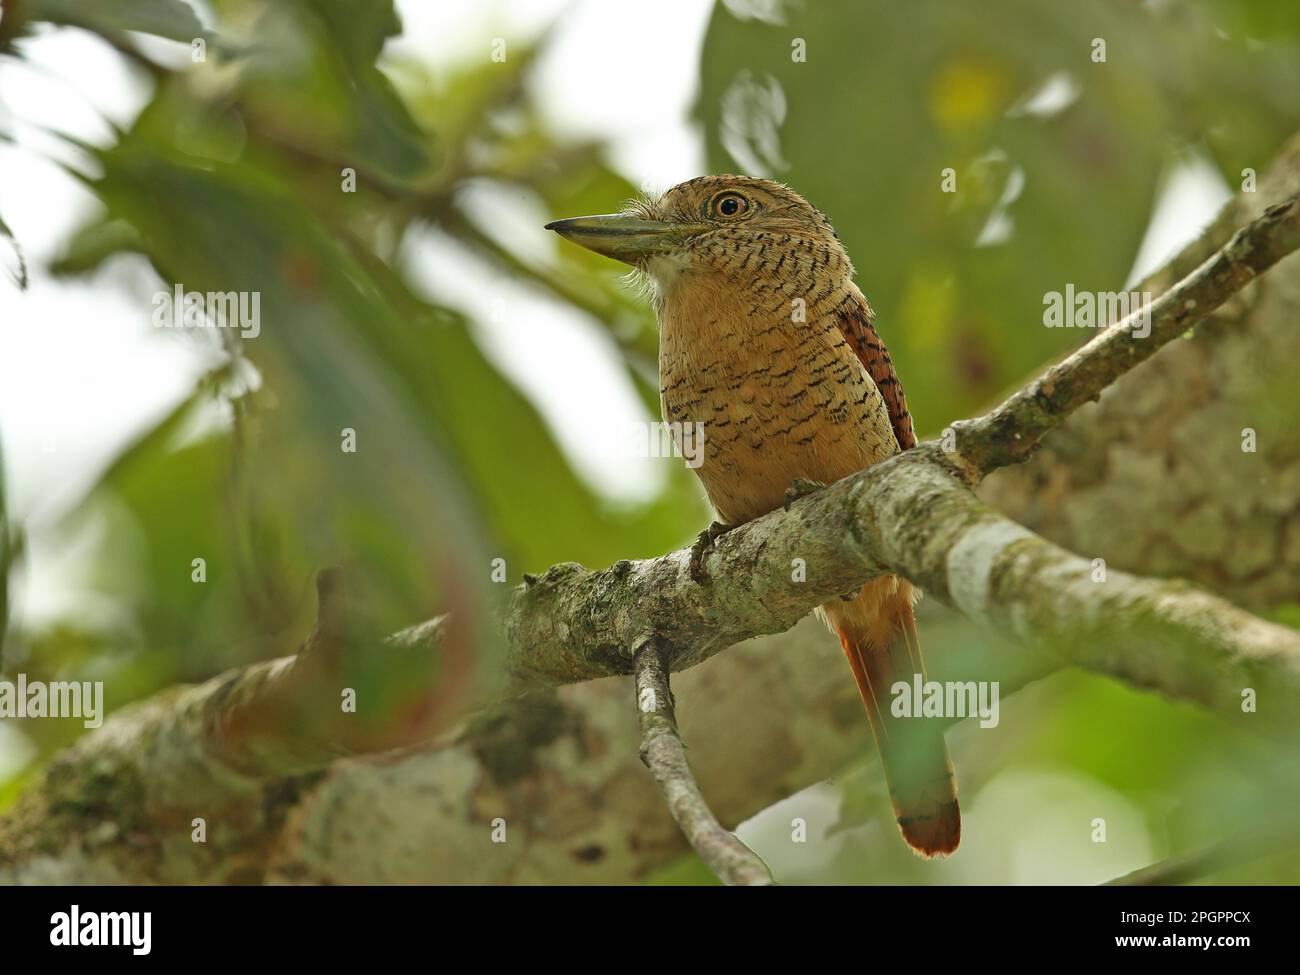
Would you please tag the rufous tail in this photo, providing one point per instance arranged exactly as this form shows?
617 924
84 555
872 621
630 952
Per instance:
878 632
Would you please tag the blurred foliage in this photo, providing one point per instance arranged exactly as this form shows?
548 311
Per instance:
232 176
17 269
9 550
171 19
889 97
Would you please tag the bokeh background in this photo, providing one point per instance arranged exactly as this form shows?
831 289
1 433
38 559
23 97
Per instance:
486 366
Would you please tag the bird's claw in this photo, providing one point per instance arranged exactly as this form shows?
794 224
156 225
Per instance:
703 545
801 487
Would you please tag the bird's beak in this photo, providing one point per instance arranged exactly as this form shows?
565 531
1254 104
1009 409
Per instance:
625 238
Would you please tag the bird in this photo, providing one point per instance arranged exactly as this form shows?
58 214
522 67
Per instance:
766 340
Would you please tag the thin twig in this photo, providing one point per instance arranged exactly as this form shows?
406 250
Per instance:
664 755
1239 850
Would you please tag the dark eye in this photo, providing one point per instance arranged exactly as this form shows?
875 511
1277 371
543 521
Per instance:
730 205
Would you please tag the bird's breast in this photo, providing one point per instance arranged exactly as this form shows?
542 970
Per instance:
777 399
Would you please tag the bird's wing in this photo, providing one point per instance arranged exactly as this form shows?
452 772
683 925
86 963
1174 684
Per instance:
856 324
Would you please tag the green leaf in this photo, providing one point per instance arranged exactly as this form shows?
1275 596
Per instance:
310 77
18 272
93 243
172 19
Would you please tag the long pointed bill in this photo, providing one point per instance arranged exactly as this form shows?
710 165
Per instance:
625 238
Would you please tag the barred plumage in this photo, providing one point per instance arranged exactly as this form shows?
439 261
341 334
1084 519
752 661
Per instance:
766 340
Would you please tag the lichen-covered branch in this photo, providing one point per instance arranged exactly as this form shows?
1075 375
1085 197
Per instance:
912 515
560 767
1012 431
1164 444
732 861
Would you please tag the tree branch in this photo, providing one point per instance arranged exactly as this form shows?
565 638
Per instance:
911 515
732 861
1270 838
1159 447
1010 433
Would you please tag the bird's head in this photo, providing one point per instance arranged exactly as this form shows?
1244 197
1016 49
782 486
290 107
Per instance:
723 224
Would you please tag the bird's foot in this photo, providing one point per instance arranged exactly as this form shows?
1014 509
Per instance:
801 488
702 547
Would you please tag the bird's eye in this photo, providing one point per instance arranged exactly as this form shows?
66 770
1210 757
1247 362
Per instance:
730 205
